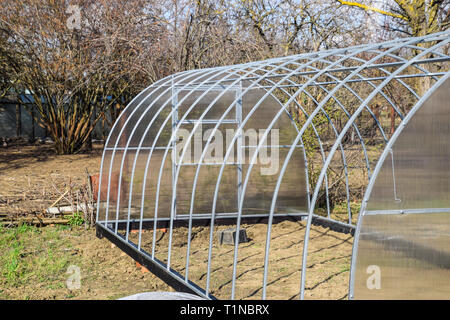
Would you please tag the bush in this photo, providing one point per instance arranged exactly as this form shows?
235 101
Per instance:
76 219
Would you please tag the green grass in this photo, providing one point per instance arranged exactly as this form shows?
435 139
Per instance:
28 253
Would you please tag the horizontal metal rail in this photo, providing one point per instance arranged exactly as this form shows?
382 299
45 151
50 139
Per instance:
169 276
345 69
407 211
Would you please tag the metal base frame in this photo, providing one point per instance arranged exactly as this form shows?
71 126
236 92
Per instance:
171 277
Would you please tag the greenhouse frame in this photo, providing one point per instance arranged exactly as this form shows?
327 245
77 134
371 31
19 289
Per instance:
353 139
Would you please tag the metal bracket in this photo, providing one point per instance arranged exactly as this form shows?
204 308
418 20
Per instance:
396 199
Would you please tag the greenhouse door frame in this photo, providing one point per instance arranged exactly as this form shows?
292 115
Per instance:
237 89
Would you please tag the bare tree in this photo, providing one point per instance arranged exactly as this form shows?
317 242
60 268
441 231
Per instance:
412 17
72 68
88 59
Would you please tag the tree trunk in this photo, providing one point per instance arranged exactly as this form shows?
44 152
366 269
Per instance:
33 136
18 120
392 120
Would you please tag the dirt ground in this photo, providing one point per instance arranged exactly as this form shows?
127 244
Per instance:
328 262
47 262
32 177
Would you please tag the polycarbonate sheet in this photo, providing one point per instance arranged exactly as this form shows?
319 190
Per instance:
154 125
145 104
420 169
404 245
125 163
134 181
403 257
291 197
204 191
270 127
103 183
151 183
266 170
215 100
262 108
192 144
110 182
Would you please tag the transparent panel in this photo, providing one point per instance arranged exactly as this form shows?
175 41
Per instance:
103 183
144 105
163 179
216 101
147 127
404 245
125 165
110 190
191 145
291 197
204 192
145 146
208 171
271 157
153 165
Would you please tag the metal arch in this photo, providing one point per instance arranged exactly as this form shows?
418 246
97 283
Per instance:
267 75
144 113
328 158
220 120
217 185
377 169
143 195
259 146
117 141
122 114
344 131
210 71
